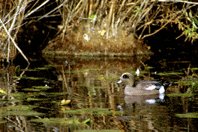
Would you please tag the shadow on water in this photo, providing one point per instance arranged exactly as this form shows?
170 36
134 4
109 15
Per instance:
76 93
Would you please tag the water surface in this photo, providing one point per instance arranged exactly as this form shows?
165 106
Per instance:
80 93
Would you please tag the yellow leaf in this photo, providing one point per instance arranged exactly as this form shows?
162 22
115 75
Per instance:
2 91
65 102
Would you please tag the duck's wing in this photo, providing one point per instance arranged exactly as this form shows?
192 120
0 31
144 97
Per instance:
151 87
151 81
147 83
161 87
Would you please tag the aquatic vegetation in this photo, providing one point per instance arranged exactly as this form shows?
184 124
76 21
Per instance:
170 73
10 100
107 78
83 71
95 111
181 94
89 99
73 121
36 99
31 89
30 78
25 110
57 94
194 68
41 68
42 87
105 130
148 67
188 115
19 95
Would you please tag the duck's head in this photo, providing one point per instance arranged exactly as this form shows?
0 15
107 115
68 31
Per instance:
127 78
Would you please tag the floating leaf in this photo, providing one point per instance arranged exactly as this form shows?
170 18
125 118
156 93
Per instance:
42 68
31 89
188 115
25 110
19 95
170 73
42 87
35 99
194 68
181 95
11 100
57 94
31 78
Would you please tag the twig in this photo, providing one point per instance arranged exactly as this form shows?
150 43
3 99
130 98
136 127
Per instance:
181 1
36 8
16 46
21 129
53 10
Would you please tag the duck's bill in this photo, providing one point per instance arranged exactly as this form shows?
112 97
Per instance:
119 81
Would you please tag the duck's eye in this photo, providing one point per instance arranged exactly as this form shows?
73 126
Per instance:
125 76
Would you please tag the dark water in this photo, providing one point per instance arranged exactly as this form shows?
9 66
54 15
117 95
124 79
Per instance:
80 93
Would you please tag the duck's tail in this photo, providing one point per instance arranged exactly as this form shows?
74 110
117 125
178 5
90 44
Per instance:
163 86
166 85
160 86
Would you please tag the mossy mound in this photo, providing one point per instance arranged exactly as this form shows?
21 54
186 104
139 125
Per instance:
97 44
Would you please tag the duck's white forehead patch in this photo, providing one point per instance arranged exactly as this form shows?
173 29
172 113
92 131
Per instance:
119 81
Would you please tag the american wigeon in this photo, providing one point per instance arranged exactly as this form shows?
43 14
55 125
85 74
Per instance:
143 87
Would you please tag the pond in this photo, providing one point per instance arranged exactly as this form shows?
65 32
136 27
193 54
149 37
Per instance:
81 94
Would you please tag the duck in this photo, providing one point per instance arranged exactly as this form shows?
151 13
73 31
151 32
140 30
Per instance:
143 87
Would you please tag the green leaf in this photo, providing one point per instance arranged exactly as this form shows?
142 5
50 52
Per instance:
93 18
